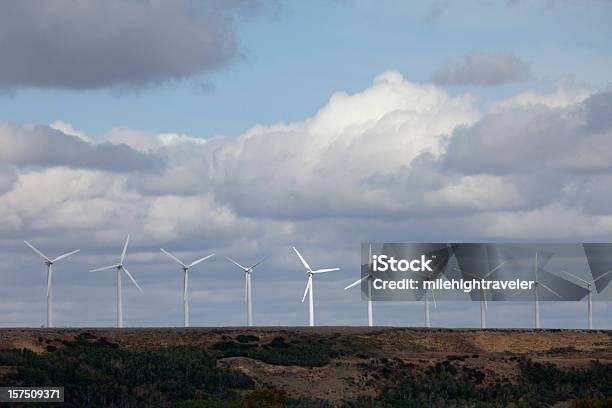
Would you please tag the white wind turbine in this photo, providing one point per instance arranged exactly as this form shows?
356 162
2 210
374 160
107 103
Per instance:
369 277
247 287
433 296
49 262
426 300
120 268
589 288
483 294
537 283
309 288
536 297
186 280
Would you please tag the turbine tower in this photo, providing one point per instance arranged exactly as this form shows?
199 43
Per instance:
247 287
309 288
536 285
483 293
589 288
426 277
120 268
427 320
369 277
185 269
563 288
49 262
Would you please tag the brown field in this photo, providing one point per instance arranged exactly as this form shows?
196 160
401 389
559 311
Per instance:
366 353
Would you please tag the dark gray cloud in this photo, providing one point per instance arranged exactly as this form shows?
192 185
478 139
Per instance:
484 68
577 138
94 44
46 147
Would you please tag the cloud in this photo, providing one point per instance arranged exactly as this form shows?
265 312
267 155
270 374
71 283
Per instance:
577 138
44 146
376 132
395 149
564 94
483 68
91 44
397 161
67 129
8 177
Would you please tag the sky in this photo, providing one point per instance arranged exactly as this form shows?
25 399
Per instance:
243 127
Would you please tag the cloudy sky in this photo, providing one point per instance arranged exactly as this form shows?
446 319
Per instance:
243 127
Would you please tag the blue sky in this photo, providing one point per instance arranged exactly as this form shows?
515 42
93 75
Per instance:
244 127
295 58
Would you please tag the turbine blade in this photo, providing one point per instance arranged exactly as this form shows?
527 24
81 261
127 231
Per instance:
33 248
356 282
493 270
307 288
550 290
484 297
302 259
125 248
104 268
575 277
601 276
173 257
131 278
326 270
66 255
257 263
236 263
433 296
194 263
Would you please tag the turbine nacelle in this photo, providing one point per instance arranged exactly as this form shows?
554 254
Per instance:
183 265
120 267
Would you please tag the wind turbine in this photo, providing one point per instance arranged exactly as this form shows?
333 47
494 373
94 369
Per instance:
185 280
247 287
483 294
570 290
120 268
589 285
309 288
426 300
536 284
369 277
49 262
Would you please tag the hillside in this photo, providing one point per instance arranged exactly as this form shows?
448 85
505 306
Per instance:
317 367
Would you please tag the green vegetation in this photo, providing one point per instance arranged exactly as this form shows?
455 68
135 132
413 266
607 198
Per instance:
541 385
309 352
97 373
562 350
